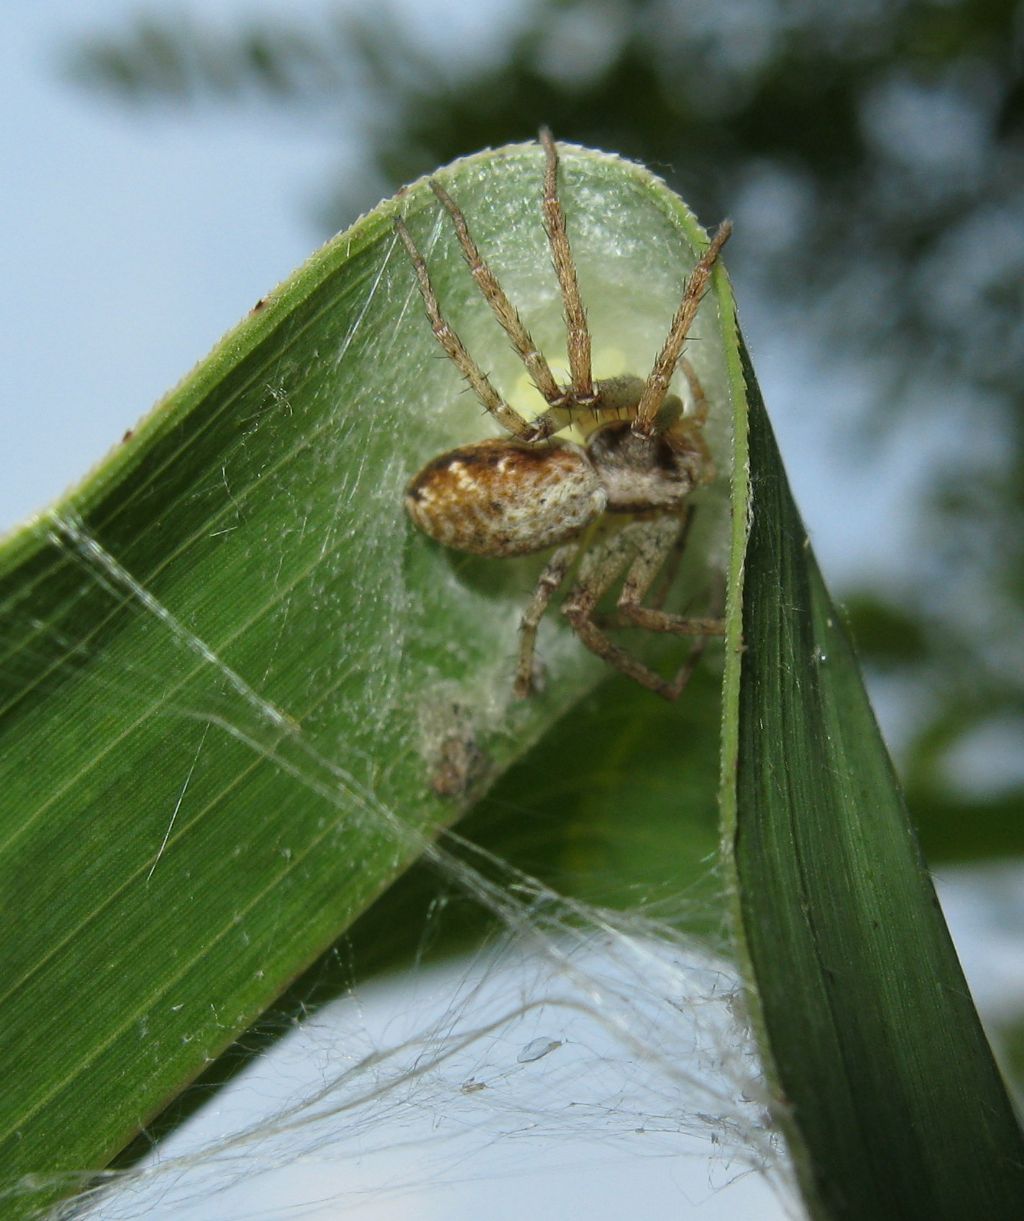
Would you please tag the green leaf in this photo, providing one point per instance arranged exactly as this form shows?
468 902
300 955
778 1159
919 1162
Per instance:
883 1080
233 676
234 681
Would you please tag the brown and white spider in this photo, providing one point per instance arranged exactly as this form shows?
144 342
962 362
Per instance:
643 455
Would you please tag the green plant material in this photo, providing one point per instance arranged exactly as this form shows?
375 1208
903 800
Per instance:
632 830
232 673
564 828
233 678
884 1083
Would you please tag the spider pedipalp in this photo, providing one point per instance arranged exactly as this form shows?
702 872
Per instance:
614 508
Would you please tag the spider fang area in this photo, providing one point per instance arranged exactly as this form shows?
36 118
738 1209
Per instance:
644 454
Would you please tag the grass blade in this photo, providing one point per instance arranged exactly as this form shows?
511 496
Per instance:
884 1083
230 669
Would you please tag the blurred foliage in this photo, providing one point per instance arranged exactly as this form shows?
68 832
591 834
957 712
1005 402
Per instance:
871 154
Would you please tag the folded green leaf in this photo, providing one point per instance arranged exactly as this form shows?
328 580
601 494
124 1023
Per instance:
240 696
234 679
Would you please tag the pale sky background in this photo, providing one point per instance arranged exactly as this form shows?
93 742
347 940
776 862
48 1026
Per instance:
132 240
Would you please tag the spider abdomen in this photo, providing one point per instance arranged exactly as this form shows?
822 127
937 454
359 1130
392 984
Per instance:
502 497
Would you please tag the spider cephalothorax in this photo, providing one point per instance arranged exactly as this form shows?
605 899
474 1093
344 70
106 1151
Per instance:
642 456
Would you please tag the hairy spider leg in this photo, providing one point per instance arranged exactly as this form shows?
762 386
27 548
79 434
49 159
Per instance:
656 541
578 336
455 350
697 416
548 584
690 427
670 567
502 308
504 413
643 546
657 384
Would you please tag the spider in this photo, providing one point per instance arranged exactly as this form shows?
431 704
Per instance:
642 457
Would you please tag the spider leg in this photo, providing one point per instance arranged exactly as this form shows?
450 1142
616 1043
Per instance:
644 546
657 384
653 548
455 350
670 566
685 433
601 566
691 427
550 579
565 267
697 416
672 558
502 308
